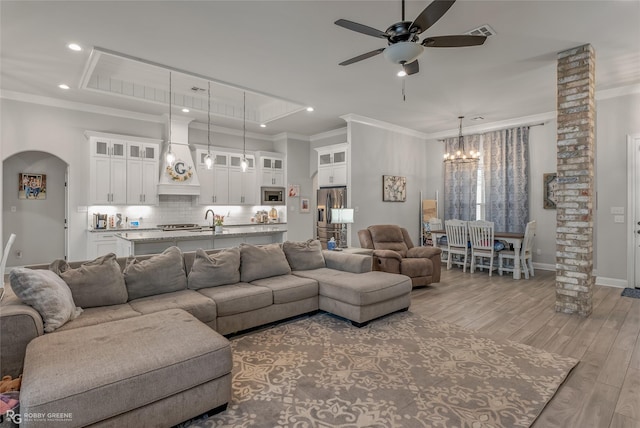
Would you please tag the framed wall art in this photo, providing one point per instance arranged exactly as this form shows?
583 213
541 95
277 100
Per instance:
304 205
293 190
394 188
550 181
32 186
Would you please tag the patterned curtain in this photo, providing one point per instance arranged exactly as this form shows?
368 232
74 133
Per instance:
461 182
505 157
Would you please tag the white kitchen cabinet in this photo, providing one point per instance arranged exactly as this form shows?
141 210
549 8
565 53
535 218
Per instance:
225 183
101 243
333 165
242 185
107 172
271 171
142 173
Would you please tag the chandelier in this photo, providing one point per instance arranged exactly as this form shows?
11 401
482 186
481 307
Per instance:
461 155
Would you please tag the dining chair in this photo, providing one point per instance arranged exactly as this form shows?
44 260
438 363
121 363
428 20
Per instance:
482 247
526 254
3 263
457 242
436 224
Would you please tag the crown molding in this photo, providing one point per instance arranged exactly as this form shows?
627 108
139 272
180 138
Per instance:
503 124
329 134
230 131
383 125
618 92
72 105
290 135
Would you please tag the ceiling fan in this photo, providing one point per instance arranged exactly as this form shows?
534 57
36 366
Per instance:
404 46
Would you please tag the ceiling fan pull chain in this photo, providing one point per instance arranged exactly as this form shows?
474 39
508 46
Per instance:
404 96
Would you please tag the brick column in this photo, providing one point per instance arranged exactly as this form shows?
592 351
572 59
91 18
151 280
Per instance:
575 191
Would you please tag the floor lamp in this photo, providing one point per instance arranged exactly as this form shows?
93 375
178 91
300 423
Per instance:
342 216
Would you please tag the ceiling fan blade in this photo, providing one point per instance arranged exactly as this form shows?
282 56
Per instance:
431 14
453 41
363 56
360 28
411 68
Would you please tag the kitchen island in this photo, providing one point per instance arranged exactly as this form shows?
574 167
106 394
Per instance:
131 243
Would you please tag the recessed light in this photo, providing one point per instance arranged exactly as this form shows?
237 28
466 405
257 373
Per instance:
185 110
63 86
401 73
262 125
75 47
309 108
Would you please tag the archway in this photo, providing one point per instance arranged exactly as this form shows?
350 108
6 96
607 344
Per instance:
36 215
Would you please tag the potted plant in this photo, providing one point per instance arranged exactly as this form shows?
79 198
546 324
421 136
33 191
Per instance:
218 221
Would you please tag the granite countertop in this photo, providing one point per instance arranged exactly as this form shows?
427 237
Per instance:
205 233
204 226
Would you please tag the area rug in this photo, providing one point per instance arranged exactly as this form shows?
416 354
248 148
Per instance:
400 371
631 292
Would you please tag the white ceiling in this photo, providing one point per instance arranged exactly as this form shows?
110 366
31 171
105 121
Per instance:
291 50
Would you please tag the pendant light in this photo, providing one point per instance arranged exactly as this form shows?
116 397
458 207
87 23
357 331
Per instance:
208 161
244 164
170 157
461 155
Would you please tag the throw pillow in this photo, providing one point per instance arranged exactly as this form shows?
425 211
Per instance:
262 262
304 255
210 270
95 283
47 293
161 273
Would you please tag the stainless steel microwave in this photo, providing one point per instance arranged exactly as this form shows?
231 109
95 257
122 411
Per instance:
272 195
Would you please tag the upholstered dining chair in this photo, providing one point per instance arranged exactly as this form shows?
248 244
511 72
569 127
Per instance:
526 254
457 242
393 252
482 247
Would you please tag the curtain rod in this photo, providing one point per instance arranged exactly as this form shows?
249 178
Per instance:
500 129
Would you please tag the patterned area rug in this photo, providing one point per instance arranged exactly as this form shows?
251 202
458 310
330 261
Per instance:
400 371
631 292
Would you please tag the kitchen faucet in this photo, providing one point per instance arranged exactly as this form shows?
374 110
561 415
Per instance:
206 215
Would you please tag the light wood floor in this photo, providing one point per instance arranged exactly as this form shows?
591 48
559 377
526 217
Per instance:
603 391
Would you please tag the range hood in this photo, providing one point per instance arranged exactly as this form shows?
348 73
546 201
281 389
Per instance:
181 178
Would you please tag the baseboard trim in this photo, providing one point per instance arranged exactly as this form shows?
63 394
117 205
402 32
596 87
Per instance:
600 280
611 282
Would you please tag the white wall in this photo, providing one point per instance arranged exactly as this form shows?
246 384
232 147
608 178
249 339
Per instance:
300 226
376 152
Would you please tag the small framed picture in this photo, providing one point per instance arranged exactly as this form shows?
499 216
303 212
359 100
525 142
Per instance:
304 205
394 188
293 190
32 186
550 182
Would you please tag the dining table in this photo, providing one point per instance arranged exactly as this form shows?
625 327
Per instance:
515 239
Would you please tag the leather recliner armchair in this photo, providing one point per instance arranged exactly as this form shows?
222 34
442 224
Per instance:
393 252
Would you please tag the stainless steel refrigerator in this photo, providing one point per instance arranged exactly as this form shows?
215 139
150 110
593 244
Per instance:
329 197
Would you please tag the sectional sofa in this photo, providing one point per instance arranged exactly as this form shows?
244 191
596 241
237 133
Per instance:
229 291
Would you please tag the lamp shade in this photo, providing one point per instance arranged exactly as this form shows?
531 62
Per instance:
342 215
403 52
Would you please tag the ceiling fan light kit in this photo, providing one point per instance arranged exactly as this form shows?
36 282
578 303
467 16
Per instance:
403 52
403 37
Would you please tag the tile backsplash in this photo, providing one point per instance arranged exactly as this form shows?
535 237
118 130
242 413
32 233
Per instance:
181 209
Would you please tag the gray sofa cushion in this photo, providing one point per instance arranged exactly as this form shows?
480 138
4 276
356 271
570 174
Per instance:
95 283
304 255
262 262
162 273
238 298
101 315
191 301
210 270
47 293
289 288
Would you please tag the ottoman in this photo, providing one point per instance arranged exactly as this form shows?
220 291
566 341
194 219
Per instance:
361 297
153 370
